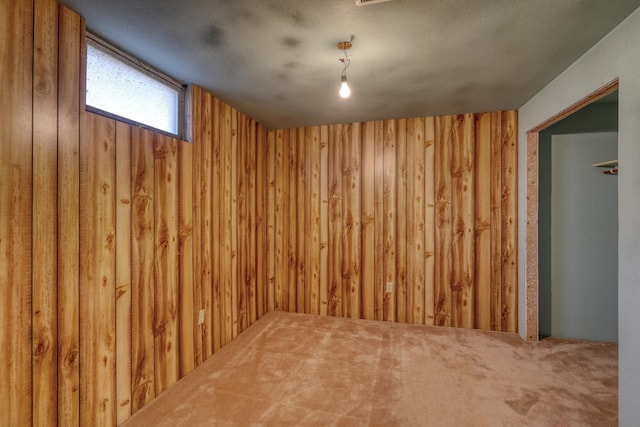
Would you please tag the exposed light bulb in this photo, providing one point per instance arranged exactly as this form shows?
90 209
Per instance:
344 88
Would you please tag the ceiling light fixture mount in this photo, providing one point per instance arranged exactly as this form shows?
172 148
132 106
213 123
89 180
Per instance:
369 2
345 91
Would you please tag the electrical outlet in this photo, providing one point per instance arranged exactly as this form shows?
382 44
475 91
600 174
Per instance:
389 287
201 317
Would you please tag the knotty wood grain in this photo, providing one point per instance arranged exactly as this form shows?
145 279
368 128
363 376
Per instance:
324 218
443 154
242 248
16 120
389 222
44 307
69 47
269 157
301 215
334 273
262 248
281 298
367 222
231 293
253 196
143 387
206 139
429 220
509 221
216 209
226 224
312 224
415 220
482 248
123 272
196 114
351 220
378 216
292 215
166 342
187 316
400 287
463 227
97 271
496 221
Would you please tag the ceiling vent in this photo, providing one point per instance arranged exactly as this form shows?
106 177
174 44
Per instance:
368 2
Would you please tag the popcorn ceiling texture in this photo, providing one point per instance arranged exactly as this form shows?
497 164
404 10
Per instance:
277 61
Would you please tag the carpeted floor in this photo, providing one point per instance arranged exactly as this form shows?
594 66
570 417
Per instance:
291 369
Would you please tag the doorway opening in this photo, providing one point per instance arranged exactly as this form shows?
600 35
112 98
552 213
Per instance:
532 235
578 225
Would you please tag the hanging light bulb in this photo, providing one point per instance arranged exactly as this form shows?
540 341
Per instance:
345 91
344 88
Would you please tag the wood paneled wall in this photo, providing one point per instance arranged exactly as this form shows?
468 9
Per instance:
226 221
410 220
113 238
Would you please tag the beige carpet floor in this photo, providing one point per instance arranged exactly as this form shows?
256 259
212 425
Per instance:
291 369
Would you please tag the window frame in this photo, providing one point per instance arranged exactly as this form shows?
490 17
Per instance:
182 89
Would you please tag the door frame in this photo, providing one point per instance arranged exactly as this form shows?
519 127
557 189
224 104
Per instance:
531 209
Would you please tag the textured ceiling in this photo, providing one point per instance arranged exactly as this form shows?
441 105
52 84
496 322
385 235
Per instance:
277 61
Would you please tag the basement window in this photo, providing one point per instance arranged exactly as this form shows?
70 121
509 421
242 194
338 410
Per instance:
121 87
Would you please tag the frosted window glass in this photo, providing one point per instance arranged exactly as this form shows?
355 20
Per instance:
118 88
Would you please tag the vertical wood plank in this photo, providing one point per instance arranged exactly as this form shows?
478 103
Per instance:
44 246
281 213
271 219
206 204
142 269
324 218
351 220
334 274
463 222
415 221
97 271
196 115
483 221
496 221
443 154
216 209
242 249
68 217
239 224
367 222
226 258
419 221
312 223
379 282
300 233
509 221
166 262
187 316
123 271
224 117
261 220
254 193
389 223
429 220
292 215
401 223
232 293
16 120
